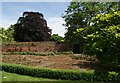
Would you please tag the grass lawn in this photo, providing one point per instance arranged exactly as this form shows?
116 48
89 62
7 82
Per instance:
16 78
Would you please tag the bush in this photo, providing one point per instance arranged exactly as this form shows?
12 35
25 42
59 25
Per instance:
57 38
61 74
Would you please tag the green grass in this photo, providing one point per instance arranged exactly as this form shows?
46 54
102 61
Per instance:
16 77
12 77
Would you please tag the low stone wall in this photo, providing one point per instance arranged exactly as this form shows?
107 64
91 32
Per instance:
46 46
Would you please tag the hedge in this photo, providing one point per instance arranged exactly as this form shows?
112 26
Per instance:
37 53
61 74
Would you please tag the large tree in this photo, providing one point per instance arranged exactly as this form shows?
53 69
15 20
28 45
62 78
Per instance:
80 14
31 27
102 38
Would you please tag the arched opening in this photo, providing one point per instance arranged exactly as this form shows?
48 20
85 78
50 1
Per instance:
77 48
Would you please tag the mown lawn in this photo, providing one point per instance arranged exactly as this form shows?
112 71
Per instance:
16 78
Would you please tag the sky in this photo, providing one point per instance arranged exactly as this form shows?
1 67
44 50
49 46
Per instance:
52 12
11 10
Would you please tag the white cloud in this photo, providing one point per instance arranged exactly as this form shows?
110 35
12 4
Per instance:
55 23
7 22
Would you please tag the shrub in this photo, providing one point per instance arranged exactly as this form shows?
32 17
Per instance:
37 53
61 74
57 38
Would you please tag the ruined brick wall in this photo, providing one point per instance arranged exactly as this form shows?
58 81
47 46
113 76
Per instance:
37 47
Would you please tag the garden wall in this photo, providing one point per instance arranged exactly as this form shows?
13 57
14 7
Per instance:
47 46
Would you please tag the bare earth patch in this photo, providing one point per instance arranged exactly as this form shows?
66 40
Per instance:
57 62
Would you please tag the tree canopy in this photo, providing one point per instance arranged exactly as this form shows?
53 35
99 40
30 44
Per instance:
97 26
80 14
104 40
31 27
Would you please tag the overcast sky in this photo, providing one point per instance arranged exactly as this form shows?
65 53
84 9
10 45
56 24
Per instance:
52 12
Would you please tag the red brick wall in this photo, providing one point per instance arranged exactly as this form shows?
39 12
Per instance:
36 47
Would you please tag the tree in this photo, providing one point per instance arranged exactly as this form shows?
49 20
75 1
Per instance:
104 38
79 15
57 38
31 27
104 41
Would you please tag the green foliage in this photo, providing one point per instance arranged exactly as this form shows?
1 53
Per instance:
97 26
61 74
57 38
80 14
37 53
78 35
31 27
6 35
104 40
